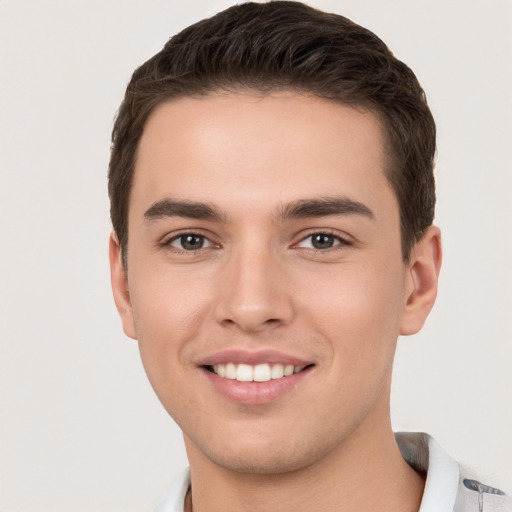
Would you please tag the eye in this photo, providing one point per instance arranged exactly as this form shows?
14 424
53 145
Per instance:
321 241
189 242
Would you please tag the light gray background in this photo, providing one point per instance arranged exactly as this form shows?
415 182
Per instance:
80 428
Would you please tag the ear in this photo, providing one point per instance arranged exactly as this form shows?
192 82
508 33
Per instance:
120 290
421 281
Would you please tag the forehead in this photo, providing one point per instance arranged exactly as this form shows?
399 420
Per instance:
249 147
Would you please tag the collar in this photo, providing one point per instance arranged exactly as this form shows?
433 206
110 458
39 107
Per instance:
424 454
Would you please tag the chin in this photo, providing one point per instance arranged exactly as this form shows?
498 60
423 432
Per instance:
259 465
266 458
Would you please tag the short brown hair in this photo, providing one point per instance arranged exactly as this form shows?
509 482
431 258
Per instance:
283 45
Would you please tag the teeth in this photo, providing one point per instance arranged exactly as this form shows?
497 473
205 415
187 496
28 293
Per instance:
277 371
258 373
244 373
261 373
230 371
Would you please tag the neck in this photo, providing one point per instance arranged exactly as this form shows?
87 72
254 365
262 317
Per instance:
363 475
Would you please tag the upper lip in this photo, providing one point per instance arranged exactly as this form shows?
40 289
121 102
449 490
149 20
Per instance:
238 356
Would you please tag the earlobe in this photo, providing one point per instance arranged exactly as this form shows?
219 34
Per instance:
120 290
421 281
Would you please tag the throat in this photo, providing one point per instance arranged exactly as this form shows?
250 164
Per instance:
384 482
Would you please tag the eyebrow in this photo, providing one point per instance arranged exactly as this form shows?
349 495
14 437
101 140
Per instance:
188 209
323 207
301 208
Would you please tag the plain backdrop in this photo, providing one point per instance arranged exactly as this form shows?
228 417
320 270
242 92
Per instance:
80 428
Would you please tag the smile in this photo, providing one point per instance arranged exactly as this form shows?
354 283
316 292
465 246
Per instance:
255 373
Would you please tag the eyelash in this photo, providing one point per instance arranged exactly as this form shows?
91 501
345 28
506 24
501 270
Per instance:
205 239
338 244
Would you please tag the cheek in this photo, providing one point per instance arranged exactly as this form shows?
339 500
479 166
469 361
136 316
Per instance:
166 309
166 303
358 308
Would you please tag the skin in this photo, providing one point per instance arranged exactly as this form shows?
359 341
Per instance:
259 283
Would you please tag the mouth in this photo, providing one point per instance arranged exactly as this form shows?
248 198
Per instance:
255 373
255 377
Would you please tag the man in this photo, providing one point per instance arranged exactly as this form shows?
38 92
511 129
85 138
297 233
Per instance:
272 198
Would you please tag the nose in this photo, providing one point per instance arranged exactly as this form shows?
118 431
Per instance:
254 293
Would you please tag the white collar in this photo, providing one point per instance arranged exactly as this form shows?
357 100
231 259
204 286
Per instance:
424 454
175 498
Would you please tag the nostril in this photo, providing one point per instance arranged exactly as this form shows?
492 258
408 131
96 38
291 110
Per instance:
251 321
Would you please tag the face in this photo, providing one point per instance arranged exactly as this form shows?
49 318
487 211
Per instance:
265 282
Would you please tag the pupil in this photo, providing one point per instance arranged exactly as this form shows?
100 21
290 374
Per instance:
191 242
322 241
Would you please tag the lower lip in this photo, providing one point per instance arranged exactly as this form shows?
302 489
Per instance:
255 393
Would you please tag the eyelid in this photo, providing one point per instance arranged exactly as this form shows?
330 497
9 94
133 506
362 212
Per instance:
172 235
208 243
166 241
343 239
